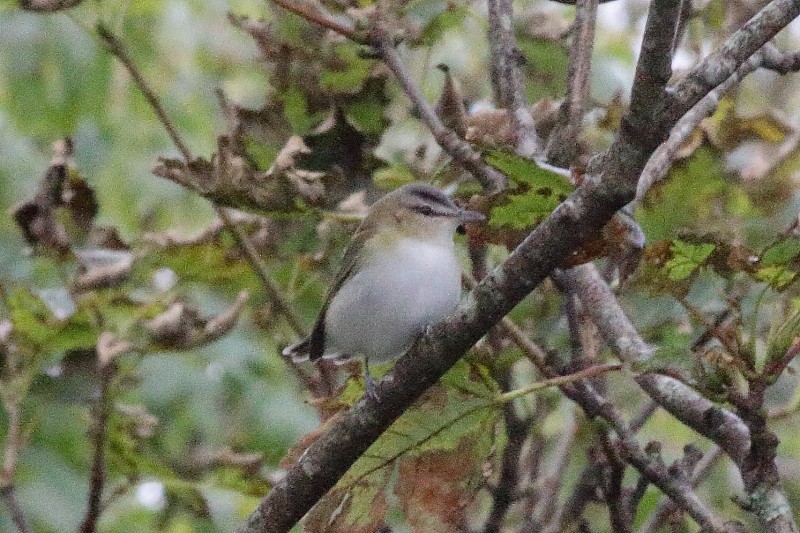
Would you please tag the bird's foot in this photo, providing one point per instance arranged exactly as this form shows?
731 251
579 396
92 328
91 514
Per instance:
371 387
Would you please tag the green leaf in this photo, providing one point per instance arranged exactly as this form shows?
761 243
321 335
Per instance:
206 262
263 154
689 198
36 326
295 109
546 62
781 253
777 277
353 71
452 17
392 177
686 258
367 115
540 191
783 335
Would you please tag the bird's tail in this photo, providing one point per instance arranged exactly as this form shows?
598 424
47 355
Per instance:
299 351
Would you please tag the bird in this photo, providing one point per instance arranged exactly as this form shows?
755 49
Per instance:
399 275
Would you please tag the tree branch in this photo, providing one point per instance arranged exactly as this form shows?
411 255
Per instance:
507 80
98 431
562 147
726 59
718 424
461 151
662 159
11 449
654 471
316 13
666 507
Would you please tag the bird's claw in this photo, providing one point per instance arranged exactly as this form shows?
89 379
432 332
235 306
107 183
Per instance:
371 387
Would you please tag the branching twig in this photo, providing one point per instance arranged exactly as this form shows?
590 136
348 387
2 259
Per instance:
547 510
502 495
461 151
507 79
697 412
718 66
316 14
654 471
98 431
117 48
666 507
663 158
270 287
563 143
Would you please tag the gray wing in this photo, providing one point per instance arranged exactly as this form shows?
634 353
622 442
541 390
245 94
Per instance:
316 341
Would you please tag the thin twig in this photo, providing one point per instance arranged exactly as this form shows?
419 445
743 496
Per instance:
117 48
317 14
119 51
734 51
666 507
694 410
11 449
562 146
503 493
261 270
664 156
654 471
507 78
549 485
99 430
460 150
17 516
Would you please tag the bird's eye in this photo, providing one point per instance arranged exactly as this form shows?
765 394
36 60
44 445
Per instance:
424 210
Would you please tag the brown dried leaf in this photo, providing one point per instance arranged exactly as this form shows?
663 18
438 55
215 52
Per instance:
101 269
490 127
180 327
143 423
47 6
230 181
109 346
60 189
450 107
436 488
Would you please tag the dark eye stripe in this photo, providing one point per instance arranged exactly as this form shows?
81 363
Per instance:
430 211
432 196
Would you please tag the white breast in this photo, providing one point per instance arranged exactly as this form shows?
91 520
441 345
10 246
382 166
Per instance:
382 309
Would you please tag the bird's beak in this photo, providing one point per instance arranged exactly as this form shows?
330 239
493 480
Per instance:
471 216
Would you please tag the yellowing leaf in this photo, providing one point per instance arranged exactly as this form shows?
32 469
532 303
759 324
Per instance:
686 258
777 277
538 191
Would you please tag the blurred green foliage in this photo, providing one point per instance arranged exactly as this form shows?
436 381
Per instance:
184 421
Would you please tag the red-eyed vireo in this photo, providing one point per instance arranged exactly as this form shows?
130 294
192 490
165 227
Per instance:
400 274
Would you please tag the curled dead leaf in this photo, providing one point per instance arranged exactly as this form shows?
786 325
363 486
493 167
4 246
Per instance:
180 327
61 189
109 346
450 107
101 269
